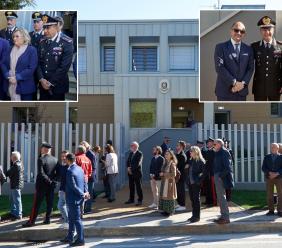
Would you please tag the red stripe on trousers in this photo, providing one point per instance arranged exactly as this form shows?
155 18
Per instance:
31 218
213 191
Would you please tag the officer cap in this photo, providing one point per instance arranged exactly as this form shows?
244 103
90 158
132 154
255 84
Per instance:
200 142
11 14
46 145
36 16
266 22
209 139
48 20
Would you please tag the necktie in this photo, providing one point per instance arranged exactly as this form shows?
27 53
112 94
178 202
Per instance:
237 51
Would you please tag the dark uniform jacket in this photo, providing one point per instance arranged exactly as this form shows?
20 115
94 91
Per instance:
209 157
272 165
181 162
55 58
5 34
135 162
267 77
36 38
48 168
15 173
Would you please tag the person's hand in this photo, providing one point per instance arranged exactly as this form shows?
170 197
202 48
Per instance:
273 175
129 171
161 174
86 196
45 84
12 80
239 86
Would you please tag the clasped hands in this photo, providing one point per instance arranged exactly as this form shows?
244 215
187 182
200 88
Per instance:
45 84
273 175
238 86
12 80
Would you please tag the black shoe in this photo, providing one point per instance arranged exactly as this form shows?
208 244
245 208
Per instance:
105 196
270 213
46 222
28 224
14 218
129 202
111 200
139 203
66 241
193 220
78 243
279 214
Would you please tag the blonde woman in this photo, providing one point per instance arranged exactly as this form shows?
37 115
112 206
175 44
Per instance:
21 64
196 174
168 192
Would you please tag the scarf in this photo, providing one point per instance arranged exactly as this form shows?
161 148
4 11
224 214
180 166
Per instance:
14 56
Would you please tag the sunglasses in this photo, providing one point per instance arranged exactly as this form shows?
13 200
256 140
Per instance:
236 30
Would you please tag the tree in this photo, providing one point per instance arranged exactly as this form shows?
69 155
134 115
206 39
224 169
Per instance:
16 4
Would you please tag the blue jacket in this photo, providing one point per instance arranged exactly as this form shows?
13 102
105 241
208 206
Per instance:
222 165
75 185
229 68
25 68
272 166
156 167
4 55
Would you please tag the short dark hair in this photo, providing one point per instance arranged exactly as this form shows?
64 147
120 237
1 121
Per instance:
70 157
65 152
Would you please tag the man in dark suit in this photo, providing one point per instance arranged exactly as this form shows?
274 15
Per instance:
234 64
76 193
267 83
4 63
55 58
180 185
134 168
7 32
272 169
46 182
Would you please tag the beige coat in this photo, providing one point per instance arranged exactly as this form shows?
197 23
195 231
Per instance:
168 185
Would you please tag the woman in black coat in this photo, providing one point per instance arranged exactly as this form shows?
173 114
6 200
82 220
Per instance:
196 174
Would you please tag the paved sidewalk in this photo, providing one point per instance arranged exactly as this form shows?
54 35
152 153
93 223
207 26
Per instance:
118 219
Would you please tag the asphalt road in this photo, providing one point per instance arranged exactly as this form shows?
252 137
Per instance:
196 241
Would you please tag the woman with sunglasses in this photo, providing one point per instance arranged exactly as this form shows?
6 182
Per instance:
22 62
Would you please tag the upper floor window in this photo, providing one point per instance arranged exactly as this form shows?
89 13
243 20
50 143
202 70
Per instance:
182 57
144 58
107 53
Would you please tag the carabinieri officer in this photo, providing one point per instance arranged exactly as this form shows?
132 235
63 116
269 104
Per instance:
7 32
37 34
267 52
55 58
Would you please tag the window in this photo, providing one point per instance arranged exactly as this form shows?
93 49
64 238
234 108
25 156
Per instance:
143 113
108 58
144 58
275 109
182 57
82 66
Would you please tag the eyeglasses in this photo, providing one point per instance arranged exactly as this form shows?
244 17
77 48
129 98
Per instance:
236 30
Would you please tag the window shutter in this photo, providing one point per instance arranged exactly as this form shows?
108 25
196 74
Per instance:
144 59
182 58
109 58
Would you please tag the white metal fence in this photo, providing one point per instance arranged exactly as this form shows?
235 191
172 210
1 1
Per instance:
249 142
26 138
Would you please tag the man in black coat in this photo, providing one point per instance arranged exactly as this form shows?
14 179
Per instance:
46 182
16 175
267 83
134 168
272 169
7 32
157 162
180 185
54 60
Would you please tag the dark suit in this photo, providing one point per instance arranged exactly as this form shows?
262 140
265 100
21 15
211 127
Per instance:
75 189
7 35
46 182
180 185
267 79
4 63
134 161
55 58
25 68
230 68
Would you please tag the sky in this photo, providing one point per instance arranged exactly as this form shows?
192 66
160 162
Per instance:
142 9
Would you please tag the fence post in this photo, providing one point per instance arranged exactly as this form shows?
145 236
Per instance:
200 131
236 152
256 152
261 149
36 150
249 152
242 154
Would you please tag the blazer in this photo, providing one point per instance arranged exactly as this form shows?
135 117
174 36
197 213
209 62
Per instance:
198 170
112 163
223 167
75 185
269 165
135 161
229 68
25 69
16 175
156 166
4 63
181 162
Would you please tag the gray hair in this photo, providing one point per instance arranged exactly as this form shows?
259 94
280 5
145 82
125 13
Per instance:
24 34
81 148
135 143
219 141
85 144
17 155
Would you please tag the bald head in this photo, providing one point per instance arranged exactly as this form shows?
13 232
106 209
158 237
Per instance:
237 31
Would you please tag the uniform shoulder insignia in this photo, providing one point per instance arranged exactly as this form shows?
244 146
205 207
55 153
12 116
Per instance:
66 38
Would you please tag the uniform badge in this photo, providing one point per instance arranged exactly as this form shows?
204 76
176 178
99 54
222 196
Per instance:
45 19
266 20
